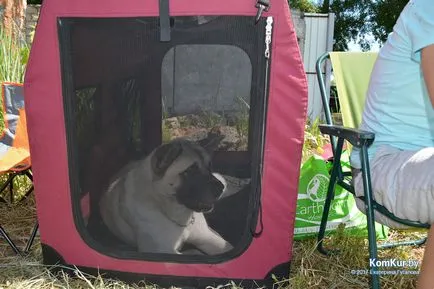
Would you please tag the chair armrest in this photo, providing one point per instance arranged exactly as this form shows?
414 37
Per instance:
356 137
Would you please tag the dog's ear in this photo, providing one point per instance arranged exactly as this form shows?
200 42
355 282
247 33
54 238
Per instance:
164 156
212 141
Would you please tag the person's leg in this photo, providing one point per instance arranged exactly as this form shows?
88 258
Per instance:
426 275
403 182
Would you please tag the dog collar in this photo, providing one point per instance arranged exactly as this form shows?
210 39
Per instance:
189 223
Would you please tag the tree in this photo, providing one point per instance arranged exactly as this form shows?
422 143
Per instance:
304 6
353 22
356 19
385 15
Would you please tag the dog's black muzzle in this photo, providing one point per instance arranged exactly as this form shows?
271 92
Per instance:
199 190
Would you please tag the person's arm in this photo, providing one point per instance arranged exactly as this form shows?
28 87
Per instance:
427 59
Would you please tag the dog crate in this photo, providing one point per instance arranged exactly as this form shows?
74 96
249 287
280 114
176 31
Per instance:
108 82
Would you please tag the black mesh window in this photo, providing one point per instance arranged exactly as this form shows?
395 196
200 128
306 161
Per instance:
164 136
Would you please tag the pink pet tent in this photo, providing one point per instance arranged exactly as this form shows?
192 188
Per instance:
107 81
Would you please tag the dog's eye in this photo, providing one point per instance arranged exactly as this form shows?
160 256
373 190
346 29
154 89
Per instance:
193 168
185 173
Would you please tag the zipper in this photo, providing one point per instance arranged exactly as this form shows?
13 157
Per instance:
267 55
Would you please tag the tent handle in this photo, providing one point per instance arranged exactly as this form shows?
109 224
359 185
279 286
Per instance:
262 5
164 21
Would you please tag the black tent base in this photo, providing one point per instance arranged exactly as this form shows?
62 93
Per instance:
280 272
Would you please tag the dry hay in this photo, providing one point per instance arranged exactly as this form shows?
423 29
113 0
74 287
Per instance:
309 269
28 271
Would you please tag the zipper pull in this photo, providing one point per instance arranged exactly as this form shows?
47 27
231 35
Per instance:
262 5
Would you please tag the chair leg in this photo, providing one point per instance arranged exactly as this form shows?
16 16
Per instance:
9 240
415 243
32 238
11 188
372 238
329 199
8 183
325 215
373 254
29 174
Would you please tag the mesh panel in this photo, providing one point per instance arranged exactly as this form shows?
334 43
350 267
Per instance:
126 94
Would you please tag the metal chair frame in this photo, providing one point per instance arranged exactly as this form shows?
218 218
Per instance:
362 140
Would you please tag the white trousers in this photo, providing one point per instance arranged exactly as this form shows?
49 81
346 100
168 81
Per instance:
403 182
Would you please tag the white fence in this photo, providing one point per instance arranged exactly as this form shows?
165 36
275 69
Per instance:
318 40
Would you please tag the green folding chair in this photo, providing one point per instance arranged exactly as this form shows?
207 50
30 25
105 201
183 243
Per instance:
352 72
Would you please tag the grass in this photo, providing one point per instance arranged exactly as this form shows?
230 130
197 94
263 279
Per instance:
310 269
14 54
242 122
208 119
313 140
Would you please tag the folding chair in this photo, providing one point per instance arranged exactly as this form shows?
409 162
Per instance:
14 149
352 72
